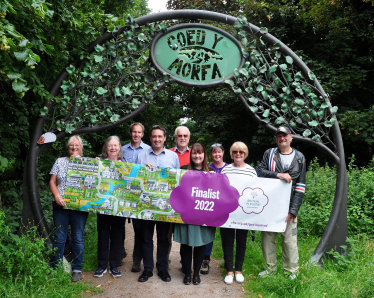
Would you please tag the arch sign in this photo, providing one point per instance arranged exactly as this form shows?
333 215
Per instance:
128 65
197 54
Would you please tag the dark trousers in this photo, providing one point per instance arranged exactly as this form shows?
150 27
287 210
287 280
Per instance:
228 238
137 254
162 229
198 256
109 228
208 251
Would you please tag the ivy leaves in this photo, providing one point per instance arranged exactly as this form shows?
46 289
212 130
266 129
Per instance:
276 90
111 82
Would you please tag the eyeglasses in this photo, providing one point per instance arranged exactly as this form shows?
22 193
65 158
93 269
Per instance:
236 152
182 136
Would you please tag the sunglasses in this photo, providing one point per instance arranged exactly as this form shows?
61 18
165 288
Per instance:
236 152
215 145
182 136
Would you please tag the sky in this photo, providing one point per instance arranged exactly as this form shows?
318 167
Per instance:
157 5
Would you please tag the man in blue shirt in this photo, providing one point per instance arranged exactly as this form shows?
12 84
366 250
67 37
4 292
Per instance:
130 153
156 156
131 150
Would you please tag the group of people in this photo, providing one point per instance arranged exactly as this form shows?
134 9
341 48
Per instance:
282 162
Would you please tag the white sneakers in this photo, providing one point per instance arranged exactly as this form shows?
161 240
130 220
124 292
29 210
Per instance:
264 273
230 278
239 278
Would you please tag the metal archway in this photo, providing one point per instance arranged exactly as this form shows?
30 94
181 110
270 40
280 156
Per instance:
336 230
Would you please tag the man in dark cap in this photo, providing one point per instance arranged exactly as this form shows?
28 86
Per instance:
288 164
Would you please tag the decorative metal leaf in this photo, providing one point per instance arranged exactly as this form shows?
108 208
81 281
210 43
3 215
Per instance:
307 133
313 123
289 60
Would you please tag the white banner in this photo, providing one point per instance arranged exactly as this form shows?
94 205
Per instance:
263 204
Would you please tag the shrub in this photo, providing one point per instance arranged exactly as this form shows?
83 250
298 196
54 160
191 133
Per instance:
319 197
26 255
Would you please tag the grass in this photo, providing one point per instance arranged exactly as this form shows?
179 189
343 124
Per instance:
26 270
343 277
58 285
90 244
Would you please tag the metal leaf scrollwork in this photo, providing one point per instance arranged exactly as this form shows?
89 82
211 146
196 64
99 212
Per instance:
277 91
110 83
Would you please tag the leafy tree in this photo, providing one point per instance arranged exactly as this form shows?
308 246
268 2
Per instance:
334 38
37 40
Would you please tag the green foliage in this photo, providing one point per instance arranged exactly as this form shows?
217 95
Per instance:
330 280
90 243
21 255
110 84
37 40
319 195
348 259
357 125
26 271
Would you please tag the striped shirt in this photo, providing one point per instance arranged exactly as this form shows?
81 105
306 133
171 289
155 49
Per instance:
247 170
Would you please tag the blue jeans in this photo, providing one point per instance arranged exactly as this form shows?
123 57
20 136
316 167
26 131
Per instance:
208 250
62 219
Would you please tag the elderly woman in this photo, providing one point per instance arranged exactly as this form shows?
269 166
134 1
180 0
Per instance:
238 152
216 152
191 235
110 228
64 217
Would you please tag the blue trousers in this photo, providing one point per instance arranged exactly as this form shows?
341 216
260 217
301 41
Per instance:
208 250
62 219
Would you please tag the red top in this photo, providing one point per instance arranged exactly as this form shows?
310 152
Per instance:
184 159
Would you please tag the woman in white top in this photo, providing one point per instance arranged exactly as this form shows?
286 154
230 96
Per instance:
64 217
238 152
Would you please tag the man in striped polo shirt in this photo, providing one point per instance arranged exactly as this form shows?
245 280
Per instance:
288 164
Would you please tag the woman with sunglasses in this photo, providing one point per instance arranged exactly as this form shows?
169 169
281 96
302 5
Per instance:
217 152
190 235
238 152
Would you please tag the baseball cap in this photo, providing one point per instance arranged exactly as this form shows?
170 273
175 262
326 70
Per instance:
283 129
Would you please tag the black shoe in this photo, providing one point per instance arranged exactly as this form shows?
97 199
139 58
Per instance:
205 267
165 276
135 267
187 279
196 280
145 275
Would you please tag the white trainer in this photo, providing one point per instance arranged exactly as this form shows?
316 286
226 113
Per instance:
264 273
239 278
229 279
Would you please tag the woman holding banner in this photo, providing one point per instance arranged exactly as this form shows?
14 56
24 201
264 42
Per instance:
64 217
238 152
190 235
217 152
110 228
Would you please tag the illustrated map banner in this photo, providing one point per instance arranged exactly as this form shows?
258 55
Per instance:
177 196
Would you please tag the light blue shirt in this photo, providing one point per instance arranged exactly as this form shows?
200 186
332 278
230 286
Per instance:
130 153
166 158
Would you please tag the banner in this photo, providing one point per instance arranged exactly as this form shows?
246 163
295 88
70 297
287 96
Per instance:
178 196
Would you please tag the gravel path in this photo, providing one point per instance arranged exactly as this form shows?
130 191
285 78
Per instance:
128 286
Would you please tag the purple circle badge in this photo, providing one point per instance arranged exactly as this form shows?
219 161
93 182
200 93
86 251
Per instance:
204 198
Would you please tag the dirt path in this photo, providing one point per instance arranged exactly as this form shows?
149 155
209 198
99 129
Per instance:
128 286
